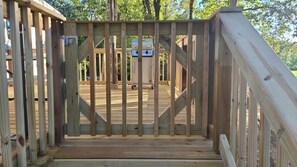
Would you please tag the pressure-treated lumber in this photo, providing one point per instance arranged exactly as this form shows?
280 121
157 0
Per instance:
124 79
225 151
84 108
181 55
58 80
83 48
222 86
4 110
252 131
108 94
27 22
156 80
189 79
180 102
173 77
267 76
50 86
18 83
205 76
264 150
234 107
92 58
136 163
40 80
140 97
242 123
71 70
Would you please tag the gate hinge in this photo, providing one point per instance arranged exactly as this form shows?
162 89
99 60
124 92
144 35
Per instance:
68 40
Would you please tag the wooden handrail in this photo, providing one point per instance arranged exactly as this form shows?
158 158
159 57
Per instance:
271 82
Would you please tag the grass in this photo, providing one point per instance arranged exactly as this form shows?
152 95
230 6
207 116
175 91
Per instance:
295 72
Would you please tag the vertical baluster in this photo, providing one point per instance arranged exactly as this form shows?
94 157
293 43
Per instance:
205 80
50 86
124 79
85 70
18 83
173 75
92 58
189 79
264 152
27 21
4 110
40 71
108 91
140 114
242 123
252 130
234 106
156 80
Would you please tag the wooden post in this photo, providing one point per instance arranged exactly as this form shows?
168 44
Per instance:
71 64
189 78
58 80
4 110
85 70
242 123
222 86
140 124
156 80
40 79
107 71
234 107
18 83
252 131
50 86
27 22
172 77
124 79
92 58
205 80
264 150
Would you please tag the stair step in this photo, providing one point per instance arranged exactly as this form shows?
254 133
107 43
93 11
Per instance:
135 163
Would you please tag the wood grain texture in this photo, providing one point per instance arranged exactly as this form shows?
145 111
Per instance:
124 78
264 146
71 65
242 123
50 86
234 107
225 151
252 131
267 76
205 86
189 78
173 78
108 94
92 58
38 20
156 80
18 83
6 154
27 22
140 97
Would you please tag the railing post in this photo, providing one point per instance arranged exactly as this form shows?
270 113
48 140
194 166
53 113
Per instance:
58 81
222 86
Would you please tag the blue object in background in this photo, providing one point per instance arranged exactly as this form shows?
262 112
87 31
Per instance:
145 53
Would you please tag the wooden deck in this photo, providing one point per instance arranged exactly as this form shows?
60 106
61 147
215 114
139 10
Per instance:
137 151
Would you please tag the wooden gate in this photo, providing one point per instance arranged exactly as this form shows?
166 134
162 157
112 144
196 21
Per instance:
82 39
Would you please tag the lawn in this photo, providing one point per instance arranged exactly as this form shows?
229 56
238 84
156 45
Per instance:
295 72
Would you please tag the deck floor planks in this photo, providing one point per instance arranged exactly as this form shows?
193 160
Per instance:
133 147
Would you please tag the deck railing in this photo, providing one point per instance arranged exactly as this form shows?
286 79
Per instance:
255 90
21 15
164 34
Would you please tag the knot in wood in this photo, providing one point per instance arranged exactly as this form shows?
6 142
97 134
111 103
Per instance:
267 78
21 140
280 131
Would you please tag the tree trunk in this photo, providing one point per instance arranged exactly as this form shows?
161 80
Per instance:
191 9
157 7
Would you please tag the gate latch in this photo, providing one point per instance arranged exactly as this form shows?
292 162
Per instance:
68 40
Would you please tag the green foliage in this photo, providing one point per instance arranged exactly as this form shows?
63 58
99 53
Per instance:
295 73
